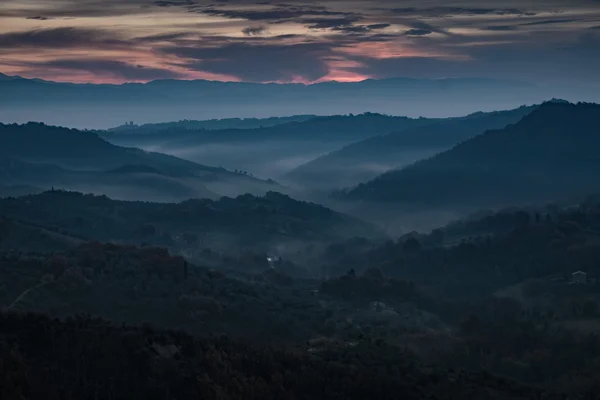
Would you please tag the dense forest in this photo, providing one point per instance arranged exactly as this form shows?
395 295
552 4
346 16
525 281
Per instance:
493 292
213 124
273 220
83 358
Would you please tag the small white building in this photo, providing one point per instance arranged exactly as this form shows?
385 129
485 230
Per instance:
579 277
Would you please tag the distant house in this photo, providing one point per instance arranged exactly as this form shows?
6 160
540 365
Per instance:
273 260
580 277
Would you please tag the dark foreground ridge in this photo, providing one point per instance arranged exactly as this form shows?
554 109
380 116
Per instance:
83 358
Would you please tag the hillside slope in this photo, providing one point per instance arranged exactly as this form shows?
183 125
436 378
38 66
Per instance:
90 358
550 154
268 151
44 156
229 223
364 160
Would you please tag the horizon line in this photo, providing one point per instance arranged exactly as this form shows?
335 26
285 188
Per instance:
16 77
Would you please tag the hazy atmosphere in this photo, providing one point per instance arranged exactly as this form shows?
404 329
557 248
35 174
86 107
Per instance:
337 200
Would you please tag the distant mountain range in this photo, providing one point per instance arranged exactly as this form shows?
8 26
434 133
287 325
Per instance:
364 160
104 106
550 154
40 156
212 124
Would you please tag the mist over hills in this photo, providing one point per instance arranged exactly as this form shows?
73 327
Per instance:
105 106
363 160
44 156
300 200
549 154
340 285
267 151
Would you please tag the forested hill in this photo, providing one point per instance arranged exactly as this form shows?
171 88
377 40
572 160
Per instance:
84 358
228 223
42 156
210 124
335 128
550 154
82 149
363 160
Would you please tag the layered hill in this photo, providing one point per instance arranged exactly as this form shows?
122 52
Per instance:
550 154
211 124
268 151
261 223
38 155
364 160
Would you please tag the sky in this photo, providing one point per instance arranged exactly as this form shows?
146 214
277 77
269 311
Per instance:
115 41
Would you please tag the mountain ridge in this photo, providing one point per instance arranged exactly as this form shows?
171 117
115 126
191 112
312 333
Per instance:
516 163
79 159
360 161
161 100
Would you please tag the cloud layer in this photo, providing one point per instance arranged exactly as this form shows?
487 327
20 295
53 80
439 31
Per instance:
545 41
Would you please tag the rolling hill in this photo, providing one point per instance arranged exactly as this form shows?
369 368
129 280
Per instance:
246 222
269 151
550 154
364 160
43 156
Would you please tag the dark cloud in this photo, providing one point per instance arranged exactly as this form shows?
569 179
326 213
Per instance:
450 11
378 26
329 23
548 22
521 61
52 9
60 38
258 63
352 29
345 25
255 30
500 28
277 14
165 37
174 3
315 16
108 68
418 32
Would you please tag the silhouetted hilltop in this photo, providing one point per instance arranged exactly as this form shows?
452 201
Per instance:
366 159
549 154
80 149
39 155
335 128
211 124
